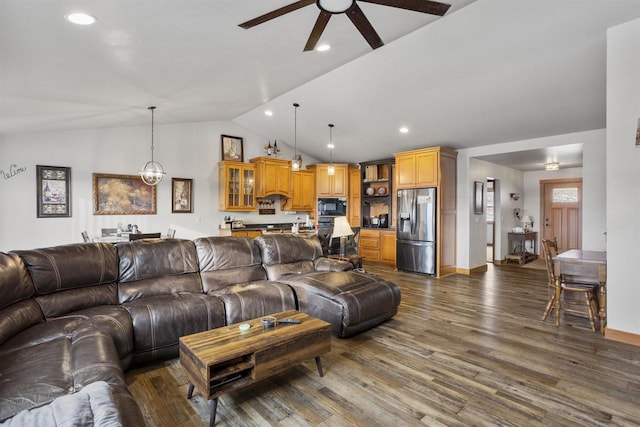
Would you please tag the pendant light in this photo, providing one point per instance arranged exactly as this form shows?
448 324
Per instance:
331 170
296 163
152 172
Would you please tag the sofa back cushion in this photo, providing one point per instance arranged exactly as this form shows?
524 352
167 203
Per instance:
226 261
284 254
68 278
157 267
18 309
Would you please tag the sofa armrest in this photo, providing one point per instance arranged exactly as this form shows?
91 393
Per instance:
324 263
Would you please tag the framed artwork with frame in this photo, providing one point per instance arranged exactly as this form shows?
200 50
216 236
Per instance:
181 195
478 197
231 148
122 195
53 185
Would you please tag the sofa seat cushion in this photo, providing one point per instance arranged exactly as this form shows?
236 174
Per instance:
351 301
255 299
159 321
36 375
99 404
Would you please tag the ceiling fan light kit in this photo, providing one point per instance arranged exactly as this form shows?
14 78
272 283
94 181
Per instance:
329 8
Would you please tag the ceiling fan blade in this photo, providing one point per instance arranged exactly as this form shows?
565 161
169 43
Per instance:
318 28
363 25
424 6
276 13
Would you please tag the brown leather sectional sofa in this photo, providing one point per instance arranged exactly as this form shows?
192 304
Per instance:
73 318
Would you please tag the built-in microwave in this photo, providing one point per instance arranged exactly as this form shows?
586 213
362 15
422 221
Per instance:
332 207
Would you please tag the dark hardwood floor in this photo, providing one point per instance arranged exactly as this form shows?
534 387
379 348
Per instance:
462 351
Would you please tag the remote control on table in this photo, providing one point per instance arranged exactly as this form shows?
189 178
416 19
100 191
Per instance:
295 321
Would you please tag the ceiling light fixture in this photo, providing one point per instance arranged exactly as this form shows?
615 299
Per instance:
323 47
296 163
80 18
268 113
335 6
331 170
404 129
552 166
152 172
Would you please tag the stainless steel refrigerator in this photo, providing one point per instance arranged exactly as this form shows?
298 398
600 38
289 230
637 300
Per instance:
416 230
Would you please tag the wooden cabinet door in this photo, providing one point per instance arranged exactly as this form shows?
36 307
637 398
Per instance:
282 172
388 247
339 182
323 183
355 197
405 171
303 185
236 186
426 165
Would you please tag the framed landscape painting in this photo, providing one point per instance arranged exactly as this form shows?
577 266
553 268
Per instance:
53 191
122 195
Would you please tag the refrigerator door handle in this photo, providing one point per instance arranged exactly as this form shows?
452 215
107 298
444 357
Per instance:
414 213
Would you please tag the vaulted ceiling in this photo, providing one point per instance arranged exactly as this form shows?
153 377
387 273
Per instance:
489 71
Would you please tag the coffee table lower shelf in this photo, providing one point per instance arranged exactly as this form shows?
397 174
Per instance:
224 360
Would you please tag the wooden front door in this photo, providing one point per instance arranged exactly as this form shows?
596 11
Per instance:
562 212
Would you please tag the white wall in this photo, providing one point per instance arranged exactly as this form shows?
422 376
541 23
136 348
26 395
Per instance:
623 179
185 151
471 253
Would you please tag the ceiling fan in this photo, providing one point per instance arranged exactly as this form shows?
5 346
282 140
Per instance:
354 13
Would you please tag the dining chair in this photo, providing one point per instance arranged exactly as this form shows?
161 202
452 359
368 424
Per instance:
138 236
353 241
568 287
85 237
171 233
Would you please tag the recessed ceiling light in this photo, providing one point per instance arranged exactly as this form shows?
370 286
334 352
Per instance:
330 145
323 47
404 129
81 18
268 113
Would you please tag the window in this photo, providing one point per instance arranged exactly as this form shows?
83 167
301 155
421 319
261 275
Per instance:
565 195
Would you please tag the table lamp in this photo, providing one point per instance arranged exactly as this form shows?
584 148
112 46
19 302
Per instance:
342 230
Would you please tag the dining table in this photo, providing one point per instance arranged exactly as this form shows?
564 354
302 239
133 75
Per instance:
587 266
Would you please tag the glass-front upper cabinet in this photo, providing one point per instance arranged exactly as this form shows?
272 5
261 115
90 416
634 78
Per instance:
236 186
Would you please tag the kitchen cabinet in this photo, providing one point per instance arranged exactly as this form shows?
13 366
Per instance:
378 245
434 167
236 190
336 185
417 168
353 204
273 176
303 192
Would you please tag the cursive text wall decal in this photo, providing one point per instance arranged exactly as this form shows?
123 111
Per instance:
13 171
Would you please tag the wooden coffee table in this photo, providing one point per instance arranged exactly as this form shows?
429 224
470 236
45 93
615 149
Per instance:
226 359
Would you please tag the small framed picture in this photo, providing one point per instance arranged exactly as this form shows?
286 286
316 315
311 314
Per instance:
53 191
478 197
181 195
231 148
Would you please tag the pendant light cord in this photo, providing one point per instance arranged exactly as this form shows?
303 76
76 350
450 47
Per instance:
295 128
152 109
